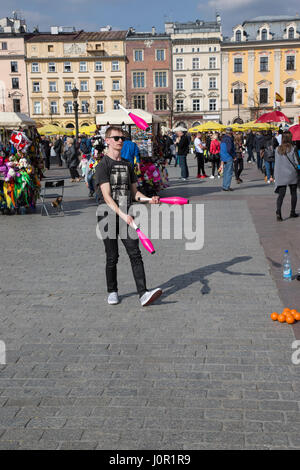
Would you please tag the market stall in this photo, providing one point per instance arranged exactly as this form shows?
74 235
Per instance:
20 164
152 174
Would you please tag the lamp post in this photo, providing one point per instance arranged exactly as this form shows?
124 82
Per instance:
75 92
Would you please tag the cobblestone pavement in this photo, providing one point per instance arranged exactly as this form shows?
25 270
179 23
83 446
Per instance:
203 368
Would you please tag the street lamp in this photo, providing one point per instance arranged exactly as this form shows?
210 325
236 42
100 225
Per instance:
239 100
75 92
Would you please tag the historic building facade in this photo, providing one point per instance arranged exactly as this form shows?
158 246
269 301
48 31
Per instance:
196 50
262 58
94 62
149 73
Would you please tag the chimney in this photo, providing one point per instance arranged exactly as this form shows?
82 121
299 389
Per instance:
153 31
54 29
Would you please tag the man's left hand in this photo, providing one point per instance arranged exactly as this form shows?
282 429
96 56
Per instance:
154 200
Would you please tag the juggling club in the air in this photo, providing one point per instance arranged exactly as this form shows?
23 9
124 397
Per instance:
139 122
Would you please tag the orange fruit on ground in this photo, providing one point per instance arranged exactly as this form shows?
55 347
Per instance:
293 311
290 319
286 311
281 318
274 316
297 316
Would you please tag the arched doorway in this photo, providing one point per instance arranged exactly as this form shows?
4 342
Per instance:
238 121
85 124
197 123
70 125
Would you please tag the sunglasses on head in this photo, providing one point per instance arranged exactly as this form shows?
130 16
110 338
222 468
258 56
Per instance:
117 138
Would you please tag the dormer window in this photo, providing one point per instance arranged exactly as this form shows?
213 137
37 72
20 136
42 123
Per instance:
291 33
238 36
264 35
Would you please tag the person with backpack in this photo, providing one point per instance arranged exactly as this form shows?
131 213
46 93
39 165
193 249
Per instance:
268 155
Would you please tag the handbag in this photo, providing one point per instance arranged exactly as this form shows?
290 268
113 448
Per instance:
296 168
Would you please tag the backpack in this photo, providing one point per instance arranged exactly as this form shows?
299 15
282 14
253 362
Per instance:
269 151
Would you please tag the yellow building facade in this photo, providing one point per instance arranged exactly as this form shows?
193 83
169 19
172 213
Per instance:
261 59
94 62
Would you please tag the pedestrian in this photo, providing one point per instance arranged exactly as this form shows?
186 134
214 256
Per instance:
72 160
58 149
238 160
227 153
259 145
45 150
182 152
83 165
116 185
199 149
287 163
215 148
250 146
130 151
268 154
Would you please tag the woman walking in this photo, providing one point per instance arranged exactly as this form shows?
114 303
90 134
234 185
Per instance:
238 160
215 147
268 153
182 152
286 163
199 148
72 159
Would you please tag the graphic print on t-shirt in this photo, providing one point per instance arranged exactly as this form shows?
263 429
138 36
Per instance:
119 183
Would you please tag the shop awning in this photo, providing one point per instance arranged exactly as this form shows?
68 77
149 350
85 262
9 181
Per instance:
13 120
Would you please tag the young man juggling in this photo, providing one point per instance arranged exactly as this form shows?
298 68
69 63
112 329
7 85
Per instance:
117 189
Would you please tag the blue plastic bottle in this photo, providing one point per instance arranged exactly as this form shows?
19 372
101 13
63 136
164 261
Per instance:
287 267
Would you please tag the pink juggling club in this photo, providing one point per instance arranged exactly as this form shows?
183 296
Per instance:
144 240
168 200
139 122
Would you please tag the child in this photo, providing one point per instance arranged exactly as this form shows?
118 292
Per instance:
83 165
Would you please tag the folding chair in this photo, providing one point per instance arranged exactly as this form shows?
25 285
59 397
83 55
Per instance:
60 194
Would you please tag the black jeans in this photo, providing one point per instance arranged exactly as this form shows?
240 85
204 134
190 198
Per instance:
215 164
281 190
200 160
183 165
238 167
74 173
131 243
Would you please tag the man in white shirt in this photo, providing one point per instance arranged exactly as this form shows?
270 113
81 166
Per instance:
199 148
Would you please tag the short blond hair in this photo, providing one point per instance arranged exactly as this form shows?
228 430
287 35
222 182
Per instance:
109 131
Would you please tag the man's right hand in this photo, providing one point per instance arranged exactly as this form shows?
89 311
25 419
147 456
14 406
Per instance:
127 218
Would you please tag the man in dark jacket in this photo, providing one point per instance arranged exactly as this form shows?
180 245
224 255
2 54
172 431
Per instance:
58 149
182 142
45 150
250 145
259 143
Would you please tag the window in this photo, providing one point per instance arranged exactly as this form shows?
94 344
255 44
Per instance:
100 106
196 105
4 46
179 84
34 67
196 84
212 104
212 63
68 107
99 85
238 96
52 86
160 55
67 67
53 107
36 87
82 67
139 102
99 47
263 96
98 66
212 83
37 109
196 63
160 79
179 106
14 67
238 36
290 62
179 64
264 64
289 94
50 48
84 106
161 102
83 85
138 79
15 83
116 85
115 66
116 104
238 65
138 56
264 35
291 33
51 67
17 106
68 86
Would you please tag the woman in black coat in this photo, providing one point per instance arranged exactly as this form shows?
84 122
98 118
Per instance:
72 159
183 147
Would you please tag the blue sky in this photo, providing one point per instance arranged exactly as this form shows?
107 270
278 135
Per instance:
92 14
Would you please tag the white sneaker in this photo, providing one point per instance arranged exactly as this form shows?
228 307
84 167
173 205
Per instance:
150 296
113 298
219 177
211 177
269 182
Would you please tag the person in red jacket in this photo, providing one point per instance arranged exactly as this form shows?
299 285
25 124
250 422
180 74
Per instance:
215 155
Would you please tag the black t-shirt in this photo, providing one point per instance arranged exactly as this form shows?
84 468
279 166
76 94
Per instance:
119 174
